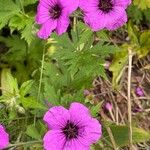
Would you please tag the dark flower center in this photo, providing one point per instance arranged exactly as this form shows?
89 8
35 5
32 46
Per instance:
55 11
70 130
105 5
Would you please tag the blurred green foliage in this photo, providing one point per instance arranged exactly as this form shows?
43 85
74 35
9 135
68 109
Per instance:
37 74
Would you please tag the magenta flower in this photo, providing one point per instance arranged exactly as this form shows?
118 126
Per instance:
139 91
72 129
86 92
108 106
101 14
107 65
54 15
4 138
137 109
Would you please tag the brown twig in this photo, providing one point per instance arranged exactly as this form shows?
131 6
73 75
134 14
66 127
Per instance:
110 134
129 97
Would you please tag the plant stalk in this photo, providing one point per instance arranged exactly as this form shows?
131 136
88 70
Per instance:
23 143
130 55
41 76
110 134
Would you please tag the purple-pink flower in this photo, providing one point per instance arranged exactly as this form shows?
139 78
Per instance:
4 138
72 129
53 15
86 92
101 14
137 109
139 91
108 106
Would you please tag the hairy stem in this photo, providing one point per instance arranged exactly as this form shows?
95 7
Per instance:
41 76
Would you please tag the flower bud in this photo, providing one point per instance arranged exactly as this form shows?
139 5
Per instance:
108 106
139 91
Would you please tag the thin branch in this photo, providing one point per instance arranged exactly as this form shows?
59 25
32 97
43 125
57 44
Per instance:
24 143
110 134
41 76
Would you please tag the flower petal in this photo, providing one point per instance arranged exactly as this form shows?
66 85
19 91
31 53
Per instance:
56 117
120 22
116 18
91 133
75 144
122 3
79 114
62 24
96 20
89 129
48 2
54 140
69 5
43 10
4 138
42 14
47 28
88 5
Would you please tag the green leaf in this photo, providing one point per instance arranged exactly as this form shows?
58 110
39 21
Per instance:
135 14
103 36
33 132
144 4
41 127
147 14
121 135
17 48
144 48
133 33
143 51
17 22
7 10
25 87
31 102
27 32
51 94
84 37
25 24
82 59
95 109
117 67
8 82
29 2
145 39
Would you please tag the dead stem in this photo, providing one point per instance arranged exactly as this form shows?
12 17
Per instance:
110 134
129 98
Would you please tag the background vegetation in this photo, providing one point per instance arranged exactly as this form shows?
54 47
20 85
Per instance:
81 65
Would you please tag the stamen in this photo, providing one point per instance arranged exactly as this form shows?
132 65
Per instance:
105 5
55 11
70 130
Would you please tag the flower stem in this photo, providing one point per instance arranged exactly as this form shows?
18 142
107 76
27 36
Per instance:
41 76
112 116
24 143
75 28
